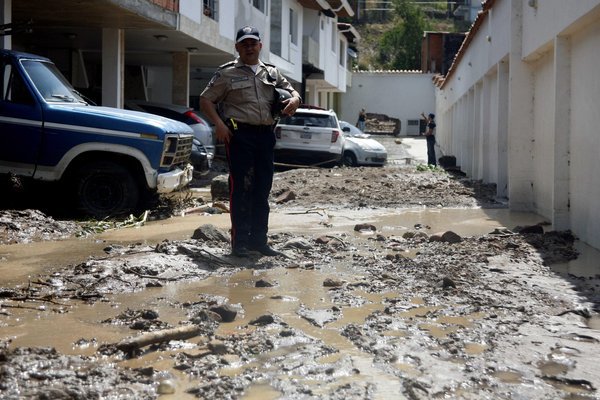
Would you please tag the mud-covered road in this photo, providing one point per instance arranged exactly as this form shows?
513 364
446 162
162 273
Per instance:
397 282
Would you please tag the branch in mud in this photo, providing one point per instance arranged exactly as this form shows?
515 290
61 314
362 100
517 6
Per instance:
41 299
180 333
155 277
311 211
27 296
4 305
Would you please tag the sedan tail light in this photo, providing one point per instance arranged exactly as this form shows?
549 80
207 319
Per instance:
192 115
334 135
278 132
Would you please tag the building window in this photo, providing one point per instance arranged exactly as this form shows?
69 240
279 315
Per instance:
276 27
260 5
342 53
210 8
333 38
293 27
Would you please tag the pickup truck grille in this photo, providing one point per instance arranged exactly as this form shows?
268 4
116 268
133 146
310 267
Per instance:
177 150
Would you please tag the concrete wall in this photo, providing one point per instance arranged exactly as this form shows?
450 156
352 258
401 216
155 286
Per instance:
402 95
520 108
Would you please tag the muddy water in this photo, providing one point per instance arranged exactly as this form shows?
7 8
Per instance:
18 262
63 331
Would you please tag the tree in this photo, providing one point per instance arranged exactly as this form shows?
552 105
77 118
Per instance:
400 47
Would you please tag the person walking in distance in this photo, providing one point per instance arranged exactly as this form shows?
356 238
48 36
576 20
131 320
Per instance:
238 100
430 137
362 118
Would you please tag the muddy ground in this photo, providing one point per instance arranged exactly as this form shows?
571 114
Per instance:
366 302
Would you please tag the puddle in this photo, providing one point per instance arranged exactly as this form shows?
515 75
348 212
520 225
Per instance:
17 262
508 376
585 265
475 348
465 222
552 368
594 322
20 261
261 392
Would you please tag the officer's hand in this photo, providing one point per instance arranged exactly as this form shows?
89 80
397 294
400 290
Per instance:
290 106
223 132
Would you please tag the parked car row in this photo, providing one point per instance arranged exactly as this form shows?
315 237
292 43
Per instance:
112 159
314 136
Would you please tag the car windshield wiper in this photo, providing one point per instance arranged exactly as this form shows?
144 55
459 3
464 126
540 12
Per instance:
63 97
84 99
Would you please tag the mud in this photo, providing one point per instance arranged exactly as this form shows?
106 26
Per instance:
394 283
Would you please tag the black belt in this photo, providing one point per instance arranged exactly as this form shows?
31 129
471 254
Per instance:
242 126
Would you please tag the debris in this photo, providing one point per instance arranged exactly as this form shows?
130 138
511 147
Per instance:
179 333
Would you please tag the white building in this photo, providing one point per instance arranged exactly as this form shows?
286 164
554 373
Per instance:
519 107
167 50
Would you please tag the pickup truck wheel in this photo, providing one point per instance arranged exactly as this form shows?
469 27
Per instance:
105 189
349 159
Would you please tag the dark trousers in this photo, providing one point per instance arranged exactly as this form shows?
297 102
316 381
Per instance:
250 158
431 150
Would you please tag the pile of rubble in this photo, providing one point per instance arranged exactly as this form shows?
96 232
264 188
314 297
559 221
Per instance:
381 124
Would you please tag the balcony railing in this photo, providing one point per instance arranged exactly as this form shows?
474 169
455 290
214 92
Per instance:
310 51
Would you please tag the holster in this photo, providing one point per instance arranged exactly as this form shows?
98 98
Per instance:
231 124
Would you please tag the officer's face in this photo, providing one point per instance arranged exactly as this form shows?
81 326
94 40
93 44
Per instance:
249 50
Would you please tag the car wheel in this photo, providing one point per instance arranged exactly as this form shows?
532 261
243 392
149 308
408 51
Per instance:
105 188
349 159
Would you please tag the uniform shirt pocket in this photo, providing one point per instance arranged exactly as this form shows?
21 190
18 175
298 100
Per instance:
242 89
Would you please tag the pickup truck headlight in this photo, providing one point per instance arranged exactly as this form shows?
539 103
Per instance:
177 150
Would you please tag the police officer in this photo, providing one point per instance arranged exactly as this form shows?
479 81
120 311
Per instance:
239 100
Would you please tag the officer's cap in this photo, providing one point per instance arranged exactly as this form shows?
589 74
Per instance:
247 32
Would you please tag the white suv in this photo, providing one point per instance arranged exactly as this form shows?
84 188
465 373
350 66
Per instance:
311 136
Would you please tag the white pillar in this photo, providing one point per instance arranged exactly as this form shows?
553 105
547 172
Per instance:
562 132
5 18
520 118
502 115
485 169
467 143
113 62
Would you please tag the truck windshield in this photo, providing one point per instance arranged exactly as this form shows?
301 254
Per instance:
51 84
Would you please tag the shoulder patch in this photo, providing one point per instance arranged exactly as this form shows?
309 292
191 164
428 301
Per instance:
270 65
227 65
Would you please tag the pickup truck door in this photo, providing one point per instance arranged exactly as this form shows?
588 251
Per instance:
21 123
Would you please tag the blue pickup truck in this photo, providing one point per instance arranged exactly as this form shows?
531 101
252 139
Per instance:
107 159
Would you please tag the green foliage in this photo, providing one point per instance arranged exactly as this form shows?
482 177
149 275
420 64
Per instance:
429 167
400 47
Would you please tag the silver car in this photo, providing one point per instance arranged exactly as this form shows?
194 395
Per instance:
360 149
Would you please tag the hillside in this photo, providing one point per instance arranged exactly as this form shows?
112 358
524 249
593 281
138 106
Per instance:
371 33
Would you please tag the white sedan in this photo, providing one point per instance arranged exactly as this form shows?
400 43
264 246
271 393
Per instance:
360 149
